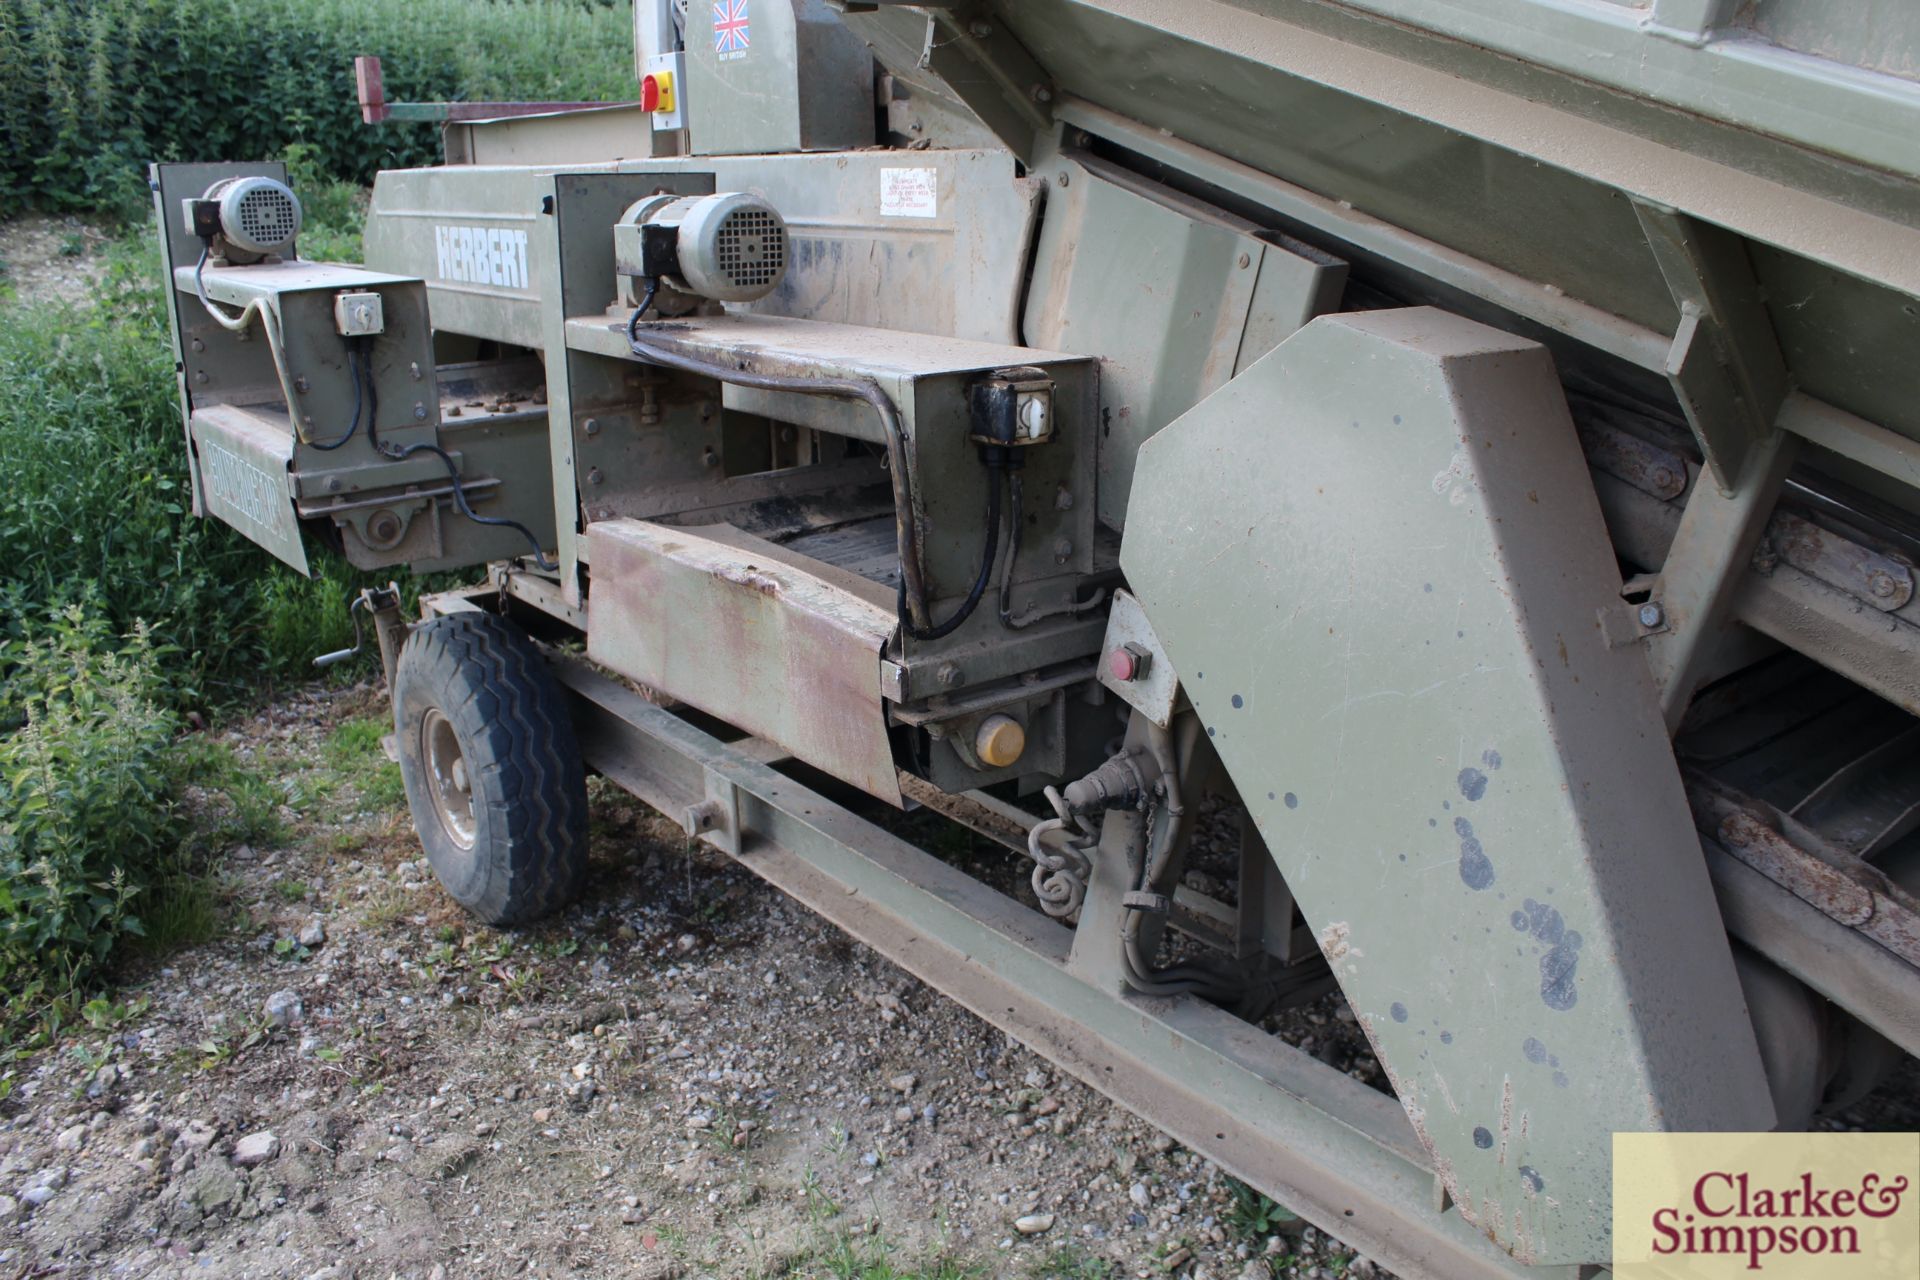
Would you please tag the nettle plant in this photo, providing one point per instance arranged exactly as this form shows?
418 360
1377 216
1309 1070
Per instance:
87 812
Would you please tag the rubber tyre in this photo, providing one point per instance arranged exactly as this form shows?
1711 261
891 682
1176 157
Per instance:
470 688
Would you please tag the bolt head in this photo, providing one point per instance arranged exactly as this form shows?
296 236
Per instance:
1881 584
591 426
1652 615
419 411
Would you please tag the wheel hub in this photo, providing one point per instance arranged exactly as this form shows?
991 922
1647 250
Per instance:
449 788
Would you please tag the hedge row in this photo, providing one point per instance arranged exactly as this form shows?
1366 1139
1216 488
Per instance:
91 90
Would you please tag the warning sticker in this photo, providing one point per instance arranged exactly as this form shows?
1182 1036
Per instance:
909 193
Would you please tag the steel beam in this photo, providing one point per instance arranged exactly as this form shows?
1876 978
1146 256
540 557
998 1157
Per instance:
1339 1153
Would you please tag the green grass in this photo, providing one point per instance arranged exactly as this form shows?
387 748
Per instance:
354 752
1251 1216
1071 1262
869 1258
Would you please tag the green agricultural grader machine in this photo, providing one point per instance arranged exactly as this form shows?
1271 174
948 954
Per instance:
1468 453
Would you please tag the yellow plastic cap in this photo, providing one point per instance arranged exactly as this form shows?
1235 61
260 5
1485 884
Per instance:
999 741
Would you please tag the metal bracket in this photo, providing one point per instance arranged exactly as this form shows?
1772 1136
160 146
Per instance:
716 818
1705 566
1725 364
1148 683
1623 624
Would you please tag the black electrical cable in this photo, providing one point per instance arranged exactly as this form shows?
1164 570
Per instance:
353 368
399 454
1031 615
979 589
913 588
1015 500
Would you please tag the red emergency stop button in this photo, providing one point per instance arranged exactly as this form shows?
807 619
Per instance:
1128 662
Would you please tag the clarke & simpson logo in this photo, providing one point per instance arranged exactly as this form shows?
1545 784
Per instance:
1778 1205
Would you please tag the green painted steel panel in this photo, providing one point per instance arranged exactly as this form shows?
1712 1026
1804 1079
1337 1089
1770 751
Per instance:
1376 561
1168 292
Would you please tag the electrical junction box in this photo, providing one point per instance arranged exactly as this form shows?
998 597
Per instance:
358 315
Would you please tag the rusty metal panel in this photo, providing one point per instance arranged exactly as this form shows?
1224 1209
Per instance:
725 622
1376 560
243 463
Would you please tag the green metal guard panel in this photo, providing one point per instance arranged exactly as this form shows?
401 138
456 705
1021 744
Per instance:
243 464
1377 563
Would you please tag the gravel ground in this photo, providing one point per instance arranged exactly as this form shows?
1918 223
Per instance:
686 1075
45 258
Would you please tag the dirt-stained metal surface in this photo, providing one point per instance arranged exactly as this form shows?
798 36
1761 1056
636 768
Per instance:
1174 296
722 621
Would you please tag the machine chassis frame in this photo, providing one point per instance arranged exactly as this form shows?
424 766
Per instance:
1341 1154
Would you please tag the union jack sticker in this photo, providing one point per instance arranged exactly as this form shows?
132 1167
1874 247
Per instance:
730 33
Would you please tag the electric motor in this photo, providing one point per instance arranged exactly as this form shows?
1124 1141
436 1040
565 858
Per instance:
256 217
730 247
